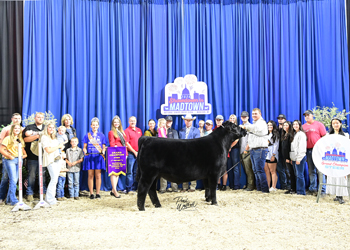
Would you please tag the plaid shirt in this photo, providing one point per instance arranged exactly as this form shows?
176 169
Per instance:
74 155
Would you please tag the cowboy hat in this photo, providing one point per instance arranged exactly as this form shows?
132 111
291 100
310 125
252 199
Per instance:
189 117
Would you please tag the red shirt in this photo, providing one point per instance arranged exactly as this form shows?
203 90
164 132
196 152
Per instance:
314 132
115 142
133 137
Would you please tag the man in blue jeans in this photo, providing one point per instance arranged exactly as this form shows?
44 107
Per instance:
30 134
133 134
314 130
258 143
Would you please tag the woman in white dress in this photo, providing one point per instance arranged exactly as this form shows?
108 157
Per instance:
336 128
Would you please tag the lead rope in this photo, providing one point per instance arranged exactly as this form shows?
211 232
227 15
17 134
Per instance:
235 165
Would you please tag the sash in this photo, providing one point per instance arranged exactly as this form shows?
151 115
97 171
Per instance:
96 145
121 137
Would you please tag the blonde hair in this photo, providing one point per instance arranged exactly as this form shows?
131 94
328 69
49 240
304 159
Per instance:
160 121
234 116
39 113
75 138
64 117
120 127
95 119
54 134
12 136
257 109
62 127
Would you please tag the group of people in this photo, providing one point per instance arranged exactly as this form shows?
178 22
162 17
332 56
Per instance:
266 150
284 149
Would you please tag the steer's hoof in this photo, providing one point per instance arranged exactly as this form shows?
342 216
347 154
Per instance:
141 208
214 203
157 205
207 199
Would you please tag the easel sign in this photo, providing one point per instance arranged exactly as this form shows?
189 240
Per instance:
331 155
116 158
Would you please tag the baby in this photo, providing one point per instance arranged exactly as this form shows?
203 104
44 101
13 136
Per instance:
61 136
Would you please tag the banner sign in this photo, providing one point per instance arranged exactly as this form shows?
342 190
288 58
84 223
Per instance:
330 155
116 158
186 96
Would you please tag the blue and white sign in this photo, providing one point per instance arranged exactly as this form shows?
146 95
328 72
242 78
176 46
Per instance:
186 96
330 155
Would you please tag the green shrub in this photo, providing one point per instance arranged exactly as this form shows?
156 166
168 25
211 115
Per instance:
326 114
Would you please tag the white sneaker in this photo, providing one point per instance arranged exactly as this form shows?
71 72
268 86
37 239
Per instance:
272 189
2 202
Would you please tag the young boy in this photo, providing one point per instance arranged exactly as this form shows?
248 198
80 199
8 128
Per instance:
61 180
61 136
74 158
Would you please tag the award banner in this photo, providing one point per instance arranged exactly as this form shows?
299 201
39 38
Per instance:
116 158
330 155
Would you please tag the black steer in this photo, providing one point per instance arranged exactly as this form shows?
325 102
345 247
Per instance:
184 160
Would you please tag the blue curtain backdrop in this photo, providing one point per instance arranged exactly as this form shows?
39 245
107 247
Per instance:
105 58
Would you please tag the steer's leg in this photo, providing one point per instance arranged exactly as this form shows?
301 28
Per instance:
153 194
207 191
212 181
142 190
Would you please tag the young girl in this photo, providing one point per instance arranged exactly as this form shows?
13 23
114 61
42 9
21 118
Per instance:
336 128
117 138
162 128
272 155
9 150
298 156
94 150
287 138
201 127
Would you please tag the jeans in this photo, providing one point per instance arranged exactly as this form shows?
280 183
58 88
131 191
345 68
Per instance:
73 184
313 173
131 184
60 186
299 173
233 175
281 170
12 171
54 171
4 181
258 156
33 170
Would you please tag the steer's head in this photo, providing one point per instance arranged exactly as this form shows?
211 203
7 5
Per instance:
234 130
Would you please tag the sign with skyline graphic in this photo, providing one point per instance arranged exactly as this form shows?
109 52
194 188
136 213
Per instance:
186 96
330 155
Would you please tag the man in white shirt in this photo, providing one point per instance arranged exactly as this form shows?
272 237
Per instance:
258 145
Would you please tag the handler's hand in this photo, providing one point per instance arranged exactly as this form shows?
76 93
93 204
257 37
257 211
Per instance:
242 126
272 158
287 161
297 162
136 153
85 151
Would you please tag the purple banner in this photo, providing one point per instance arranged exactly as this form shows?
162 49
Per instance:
116 158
